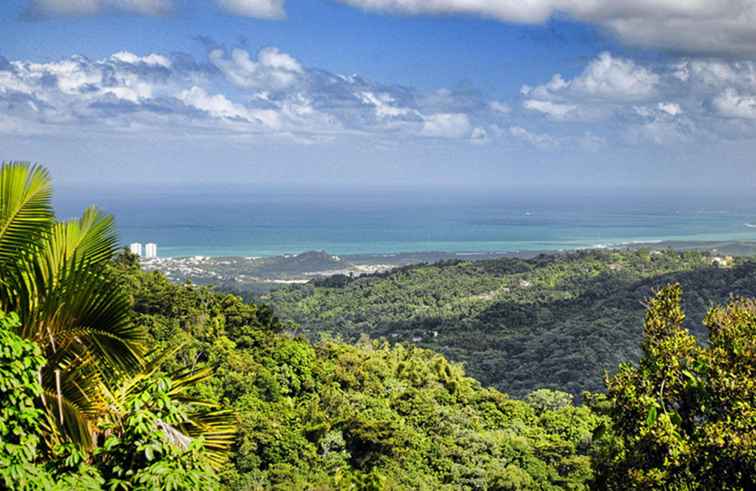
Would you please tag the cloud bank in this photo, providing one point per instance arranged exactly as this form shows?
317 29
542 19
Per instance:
692 26
703 27
271 95
268 94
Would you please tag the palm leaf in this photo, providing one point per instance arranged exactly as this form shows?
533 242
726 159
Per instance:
25 208
53 275
74 398
217 427
206 420
65 293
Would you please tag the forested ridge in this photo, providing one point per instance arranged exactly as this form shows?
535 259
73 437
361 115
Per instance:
556 321
115 378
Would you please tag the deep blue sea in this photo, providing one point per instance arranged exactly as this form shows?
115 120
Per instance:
238 221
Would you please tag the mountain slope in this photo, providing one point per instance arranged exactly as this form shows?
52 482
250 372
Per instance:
554 321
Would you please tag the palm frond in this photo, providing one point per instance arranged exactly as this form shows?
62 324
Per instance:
74 398
206 420
217 427
65 294
25 208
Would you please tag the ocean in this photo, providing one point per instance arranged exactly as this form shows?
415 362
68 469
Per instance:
239 221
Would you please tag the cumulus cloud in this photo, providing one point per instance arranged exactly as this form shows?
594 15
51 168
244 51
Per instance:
51 8
272 69
271 93
606 77
606 85
264 9
724 27
682 101
219 106
697 26
232 92
151 59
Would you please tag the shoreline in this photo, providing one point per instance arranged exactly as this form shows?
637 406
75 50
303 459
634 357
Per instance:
265 273
731 247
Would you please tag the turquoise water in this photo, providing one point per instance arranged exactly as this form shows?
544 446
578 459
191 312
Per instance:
239 222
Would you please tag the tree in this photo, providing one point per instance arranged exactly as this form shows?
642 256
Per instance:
146 451
52 274
22 464
685 418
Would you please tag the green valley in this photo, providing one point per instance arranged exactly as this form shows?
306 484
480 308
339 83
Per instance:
557 321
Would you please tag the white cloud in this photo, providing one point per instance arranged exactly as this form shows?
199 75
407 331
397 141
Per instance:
605 85
479 135
48 8
264 9
608 77
732 104
234 93
612 77
692 26
540 140
219 106
273 69
552 109
671 108
696 26
446 125
272 94
384 105
151 59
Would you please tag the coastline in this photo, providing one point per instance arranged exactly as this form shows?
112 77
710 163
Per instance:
256 273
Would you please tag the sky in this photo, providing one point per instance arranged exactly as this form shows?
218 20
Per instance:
537 94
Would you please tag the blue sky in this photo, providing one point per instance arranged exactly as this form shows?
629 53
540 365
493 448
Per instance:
469 93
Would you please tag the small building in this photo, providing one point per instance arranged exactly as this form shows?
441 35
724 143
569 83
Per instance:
136 248
150 250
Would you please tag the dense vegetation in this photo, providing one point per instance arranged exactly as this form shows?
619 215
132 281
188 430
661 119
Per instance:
685 418
369 415
328 415
557 321
84 403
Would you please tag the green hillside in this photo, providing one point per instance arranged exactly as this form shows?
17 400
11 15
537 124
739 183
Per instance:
555 321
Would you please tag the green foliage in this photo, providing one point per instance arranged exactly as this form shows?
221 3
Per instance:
20 420
52 276
548 400
22 424
364 416
148 452
145 451
557 321
685 418
72 363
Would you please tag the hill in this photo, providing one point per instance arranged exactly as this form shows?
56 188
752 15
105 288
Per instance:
331 415
557 321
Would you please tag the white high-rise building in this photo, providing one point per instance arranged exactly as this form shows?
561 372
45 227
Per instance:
136 248
150 250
